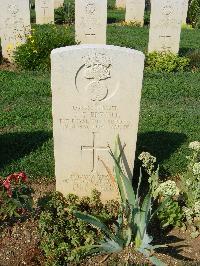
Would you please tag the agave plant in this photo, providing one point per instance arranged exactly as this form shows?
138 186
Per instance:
133 219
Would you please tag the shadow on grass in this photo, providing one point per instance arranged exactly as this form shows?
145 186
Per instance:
14 146
160 144
111 20
185 51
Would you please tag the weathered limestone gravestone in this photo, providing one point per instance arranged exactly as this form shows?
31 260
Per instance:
14 25
44 10
135 11
58 3
165 25
120 3
185 10
91 21
96 95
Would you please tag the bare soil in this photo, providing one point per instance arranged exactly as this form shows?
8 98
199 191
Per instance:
19 244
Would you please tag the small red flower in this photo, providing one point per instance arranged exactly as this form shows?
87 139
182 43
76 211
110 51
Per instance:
23 176
6 184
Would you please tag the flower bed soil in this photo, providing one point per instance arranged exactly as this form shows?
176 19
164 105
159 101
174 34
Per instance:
19 244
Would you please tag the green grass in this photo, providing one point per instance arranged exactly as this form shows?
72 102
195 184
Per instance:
169 120
26 125
115 16
169 117
137 38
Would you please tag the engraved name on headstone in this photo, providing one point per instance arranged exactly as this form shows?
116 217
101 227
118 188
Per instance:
91 21
165 25
15 25
44 10
135 11
96 93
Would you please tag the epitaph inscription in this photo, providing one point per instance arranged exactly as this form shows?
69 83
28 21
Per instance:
93 102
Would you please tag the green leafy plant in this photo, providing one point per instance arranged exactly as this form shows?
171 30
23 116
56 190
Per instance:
166 61
62 234
111 4
66 13
171 215
35 53
15 196
194 13
133 219
190 188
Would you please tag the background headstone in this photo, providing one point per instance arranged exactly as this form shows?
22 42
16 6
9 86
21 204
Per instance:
96 96
91 21
44 10
58 3
135 11
165 25
15 25
120 3
185 10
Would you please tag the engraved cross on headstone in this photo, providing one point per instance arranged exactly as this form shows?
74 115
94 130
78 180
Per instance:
44 6
93 148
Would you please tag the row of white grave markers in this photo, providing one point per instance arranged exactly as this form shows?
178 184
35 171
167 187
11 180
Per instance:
91 21
135 10
96 92
165 22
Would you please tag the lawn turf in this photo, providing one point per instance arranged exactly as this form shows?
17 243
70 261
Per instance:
169 117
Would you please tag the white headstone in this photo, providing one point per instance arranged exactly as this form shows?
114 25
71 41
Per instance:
91 21
120 3
15 25
44 10
96 96
58 3
165 25
135 11
185 10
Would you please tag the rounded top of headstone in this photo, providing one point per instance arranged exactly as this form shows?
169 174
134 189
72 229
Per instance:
97 46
